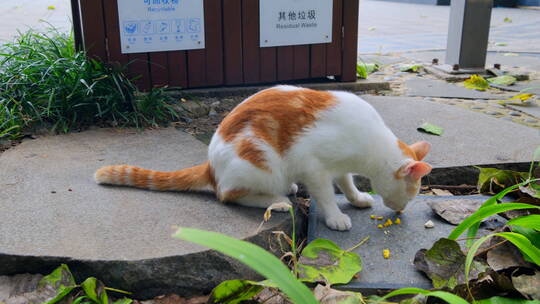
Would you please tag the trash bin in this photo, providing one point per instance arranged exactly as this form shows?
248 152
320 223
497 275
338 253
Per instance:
232 53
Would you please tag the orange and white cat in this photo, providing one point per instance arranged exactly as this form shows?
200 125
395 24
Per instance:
285 135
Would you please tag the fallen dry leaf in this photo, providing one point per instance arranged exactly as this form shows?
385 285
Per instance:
505 256
441 192
455 211
528 286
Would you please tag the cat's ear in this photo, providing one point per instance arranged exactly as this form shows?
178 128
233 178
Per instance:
421 149
415 169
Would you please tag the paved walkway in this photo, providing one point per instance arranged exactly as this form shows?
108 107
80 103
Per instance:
21 15
396 27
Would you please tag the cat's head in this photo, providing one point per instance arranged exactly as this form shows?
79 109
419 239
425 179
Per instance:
403 184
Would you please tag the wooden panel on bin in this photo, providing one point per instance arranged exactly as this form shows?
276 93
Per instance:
268 64
285 63
250 35
318 60
177 69
196 64
159 69
214 42
301 62
138 68
350 40
94 28
113 33
333 50
232 39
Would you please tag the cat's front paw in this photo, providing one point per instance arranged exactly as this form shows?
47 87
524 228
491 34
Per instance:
362 200
341 222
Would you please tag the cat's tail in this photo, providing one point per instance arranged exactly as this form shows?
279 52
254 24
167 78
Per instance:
199 177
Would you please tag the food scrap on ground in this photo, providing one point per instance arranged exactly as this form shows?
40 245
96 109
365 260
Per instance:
429 224
386 253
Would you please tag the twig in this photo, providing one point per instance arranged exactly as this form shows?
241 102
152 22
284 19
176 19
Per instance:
359 244
468 238
452 187
489 248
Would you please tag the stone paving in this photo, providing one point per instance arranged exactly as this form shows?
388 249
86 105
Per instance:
386 27
432 89
21 15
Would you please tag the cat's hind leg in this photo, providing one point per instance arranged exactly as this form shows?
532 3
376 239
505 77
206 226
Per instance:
354 196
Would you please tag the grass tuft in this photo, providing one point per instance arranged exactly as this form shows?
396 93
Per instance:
44 80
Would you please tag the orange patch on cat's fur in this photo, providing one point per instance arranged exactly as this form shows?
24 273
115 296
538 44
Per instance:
407 151
275 116
247 150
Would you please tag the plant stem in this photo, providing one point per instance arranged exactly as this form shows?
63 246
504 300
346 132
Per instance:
359 244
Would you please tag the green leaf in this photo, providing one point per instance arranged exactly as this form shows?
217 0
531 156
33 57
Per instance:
95 290
60 279
123 301
235 291
443 295
253 256
503 80
363 69
322 260
492 180
444 264
529 221
519 100
413 68
431 129
501 300
476 82
507 19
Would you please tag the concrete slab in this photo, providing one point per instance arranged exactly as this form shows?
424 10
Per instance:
402 240
53 212
532 87
469 138
533 109
439 88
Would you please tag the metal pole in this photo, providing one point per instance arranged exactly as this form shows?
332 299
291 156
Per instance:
468 33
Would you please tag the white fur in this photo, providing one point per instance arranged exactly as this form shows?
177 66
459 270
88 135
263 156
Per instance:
350 138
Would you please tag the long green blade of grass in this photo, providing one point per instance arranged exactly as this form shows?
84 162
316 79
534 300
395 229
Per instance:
446 296
524 244
253 256
473 229
529 221
485 212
